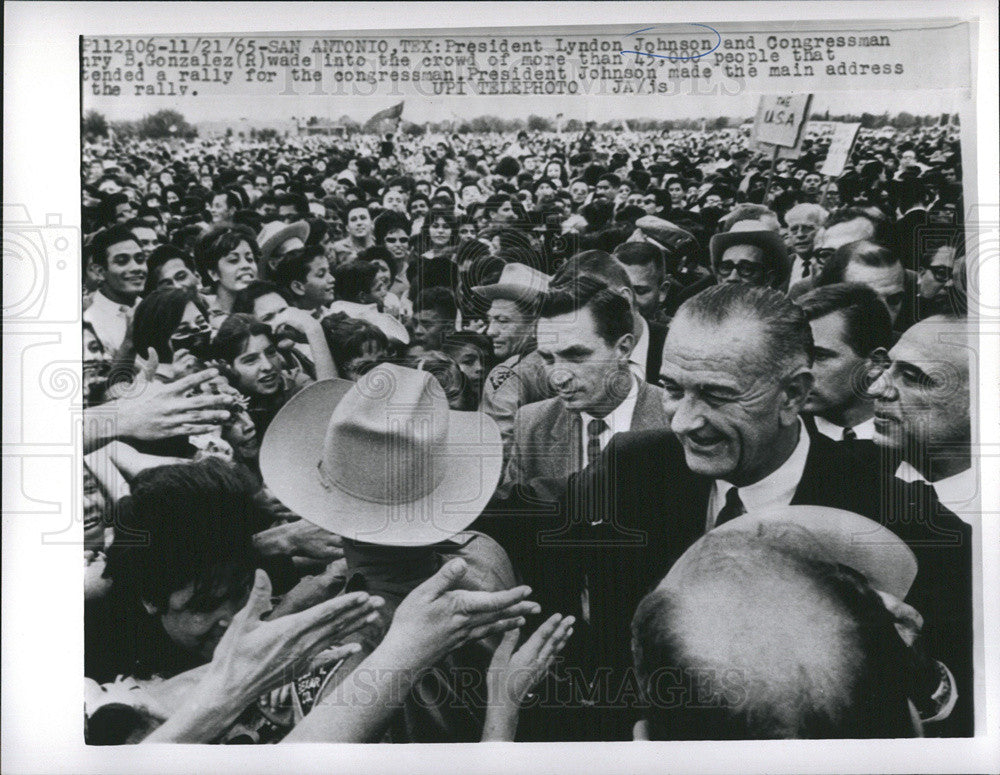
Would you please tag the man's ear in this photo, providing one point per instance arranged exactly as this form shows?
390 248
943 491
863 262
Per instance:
151 609
213 275
625 345
96 273
796 391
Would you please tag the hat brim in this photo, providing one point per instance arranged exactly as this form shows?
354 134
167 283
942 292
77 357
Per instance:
293 446
508 291
298 229
847 538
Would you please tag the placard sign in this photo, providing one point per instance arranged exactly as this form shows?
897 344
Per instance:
780 117
840 149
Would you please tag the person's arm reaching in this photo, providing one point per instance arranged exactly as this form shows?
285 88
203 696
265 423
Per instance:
433 619
305 323
254 656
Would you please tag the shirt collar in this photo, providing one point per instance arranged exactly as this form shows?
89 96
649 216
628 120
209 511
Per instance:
107 304
951 491
863 430
620 419
778 487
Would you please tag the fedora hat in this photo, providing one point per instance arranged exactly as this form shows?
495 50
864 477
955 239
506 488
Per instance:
838 536
518 282
756 233
276 232
383 460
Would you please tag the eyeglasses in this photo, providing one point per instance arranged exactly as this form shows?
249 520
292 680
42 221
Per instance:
395 240
941 273
747 270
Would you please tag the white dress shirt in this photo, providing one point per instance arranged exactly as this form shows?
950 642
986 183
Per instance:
863 430
775 489
110 321
617 421
956 492
637 360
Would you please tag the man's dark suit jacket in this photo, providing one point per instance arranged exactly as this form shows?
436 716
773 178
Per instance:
651 507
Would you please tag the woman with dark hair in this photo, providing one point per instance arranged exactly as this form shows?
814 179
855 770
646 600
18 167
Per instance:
439 234
174 325
505 209
385 279
248 355
392 232
227 257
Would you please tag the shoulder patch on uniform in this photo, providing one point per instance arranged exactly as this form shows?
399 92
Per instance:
499 376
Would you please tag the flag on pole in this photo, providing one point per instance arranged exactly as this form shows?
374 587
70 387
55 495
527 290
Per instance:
385 120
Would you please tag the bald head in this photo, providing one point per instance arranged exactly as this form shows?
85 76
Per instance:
756 636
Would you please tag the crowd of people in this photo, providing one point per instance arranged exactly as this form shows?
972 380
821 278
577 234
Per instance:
533 436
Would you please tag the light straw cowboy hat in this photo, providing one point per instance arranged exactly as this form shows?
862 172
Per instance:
518 282
382 461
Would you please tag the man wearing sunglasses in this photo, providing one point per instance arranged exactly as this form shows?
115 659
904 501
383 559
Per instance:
936 283
750 253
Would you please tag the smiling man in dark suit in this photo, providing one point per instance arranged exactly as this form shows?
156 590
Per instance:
736 370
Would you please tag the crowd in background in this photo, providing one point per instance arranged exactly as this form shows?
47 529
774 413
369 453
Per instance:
669 332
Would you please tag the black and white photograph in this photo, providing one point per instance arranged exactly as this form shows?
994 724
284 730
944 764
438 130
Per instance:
507 379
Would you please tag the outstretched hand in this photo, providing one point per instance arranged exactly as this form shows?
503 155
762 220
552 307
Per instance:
439 616
255 653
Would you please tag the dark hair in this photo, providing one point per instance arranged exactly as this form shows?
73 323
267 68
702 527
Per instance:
641 254
857 688
438 214
347 336
246 299
789 337
104 239
440 300
231 339
299 202
233 199
387 221
598 264
867 325
294 265
160 256
380 253
611 311
354 281
186 524
157 317
218 242
861 252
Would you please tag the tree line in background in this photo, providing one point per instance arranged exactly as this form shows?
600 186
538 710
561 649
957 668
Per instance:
170 123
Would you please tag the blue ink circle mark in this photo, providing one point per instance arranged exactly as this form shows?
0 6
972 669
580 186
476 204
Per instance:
679 59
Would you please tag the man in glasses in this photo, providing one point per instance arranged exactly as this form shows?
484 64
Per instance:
936 282
851 330
803 222
750 253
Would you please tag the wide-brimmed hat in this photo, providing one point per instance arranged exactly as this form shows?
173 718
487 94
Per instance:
276 232
518 282
385 323
383 460
755 233
849 539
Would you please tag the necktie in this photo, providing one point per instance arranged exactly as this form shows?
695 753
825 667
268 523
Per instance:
849 435
806 263
594 430
732 508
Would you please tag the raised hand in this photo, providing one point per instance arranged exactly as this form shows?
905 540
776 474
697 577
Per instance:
439 616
